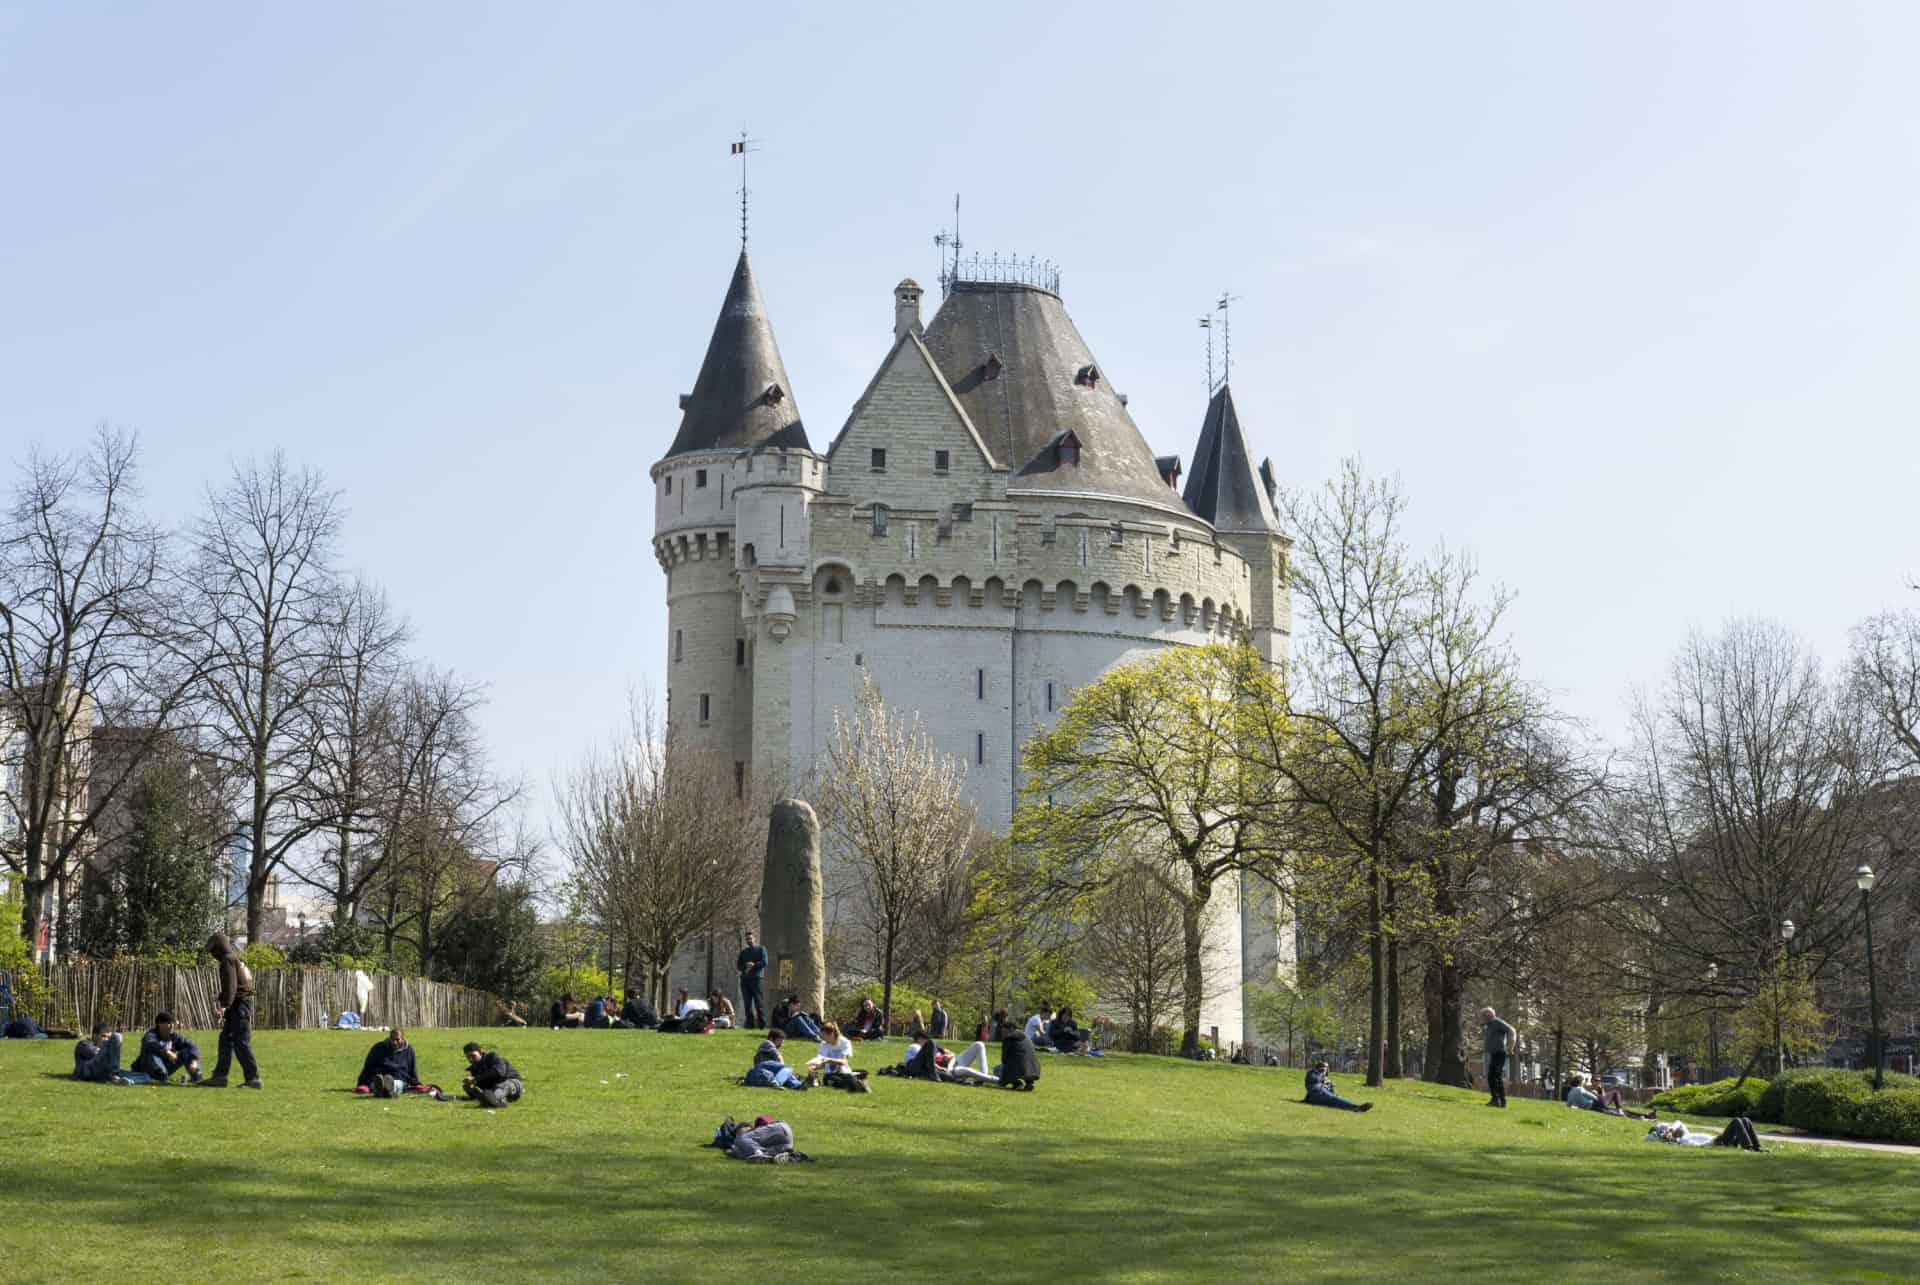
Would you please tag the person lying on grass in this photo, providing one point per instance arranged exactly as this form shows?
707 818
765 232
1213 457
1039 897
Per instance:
866 1024
770 1069
1738 1133
1320 1091
638 1015
97 1060
491 1079
164 1050
1581 1098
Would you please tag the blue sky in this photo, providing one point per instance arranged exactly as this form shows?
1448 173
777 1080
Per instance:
1626 294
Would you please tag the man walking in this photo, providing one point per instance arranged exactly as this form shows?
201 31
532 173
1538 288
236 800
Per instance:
1497 1037
235 1009
752 964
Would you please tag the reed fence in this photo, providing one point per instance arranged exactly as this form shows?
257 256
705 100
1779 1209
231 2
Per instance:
129 992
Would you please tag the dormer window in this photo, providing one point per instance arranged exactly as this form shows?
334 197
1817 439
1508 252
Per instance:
1089 376
774 395
993 366
1069 449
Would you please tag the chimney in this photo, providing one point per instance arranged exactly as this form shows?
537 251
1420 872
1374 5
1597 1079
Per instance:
906 309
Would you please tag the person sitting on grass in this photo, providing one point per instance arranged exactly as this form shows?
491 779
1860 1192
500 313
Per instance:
1019 1065
1037 1027
689 1015
866 1024
564 1013
491 1080
835 1053
1320 1091
722 1010
1581 1098
1066 1034
638 1015
508 1014
389 1069
23 1028
164 1050
770 1069
97 1060
791 1018
597 1017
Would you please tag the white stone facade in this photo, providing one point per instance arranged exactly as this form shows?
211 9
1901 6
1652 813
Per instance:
965 594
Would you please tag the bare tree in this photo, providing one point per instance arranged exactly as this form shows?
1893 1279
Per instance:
84 611
443 838
893 802
263 601
660 847
357 766
1886 670
1135 948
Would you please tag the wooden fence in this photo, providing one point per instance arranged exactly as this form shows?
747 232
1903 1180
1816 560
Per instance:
129 992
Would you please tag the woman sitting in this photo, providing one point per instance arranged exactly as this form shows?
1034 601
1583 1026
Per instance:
836 1051
866 1024
566 1012
1581 1098
1066 1034
917 1026
722 1010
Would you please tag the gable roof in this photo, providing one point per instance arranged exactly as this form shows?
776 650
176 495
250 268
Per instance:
742 398
1046 383
1223 487
911 341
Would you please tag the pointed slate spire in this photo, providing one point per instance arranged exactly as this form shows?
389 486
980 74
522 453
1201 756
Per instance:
742 398
1224 487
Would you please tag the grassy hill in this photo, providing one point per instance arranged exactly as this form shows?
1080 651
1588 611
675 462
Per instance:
1123 1168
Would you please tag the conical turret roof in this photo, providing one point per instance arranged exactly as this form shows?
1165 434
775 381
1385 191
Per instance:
742 398
1027 381
1224 487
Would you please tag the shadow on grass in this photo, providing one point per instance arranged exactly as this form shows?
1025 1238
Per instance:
1230 1205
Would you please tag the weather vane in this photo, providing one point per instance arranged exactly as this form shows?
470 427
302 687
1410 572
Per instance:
740 149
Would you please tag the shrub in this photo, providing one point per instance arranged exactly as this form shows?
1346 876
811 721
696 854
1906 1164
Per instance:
1825 1102
844 1001
1772 1107
1893 1114
1719 1098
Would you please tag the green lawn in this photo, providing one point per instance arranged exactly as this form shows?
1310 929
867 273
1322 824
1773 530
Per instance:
1126 1168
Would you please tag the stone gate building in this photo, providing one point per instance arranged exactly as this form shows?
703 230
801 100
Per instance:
988 531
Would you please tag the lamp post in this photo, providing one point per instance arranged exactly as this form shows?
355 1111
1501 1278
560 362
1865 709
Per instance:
1713 1021
1863 879
1786 953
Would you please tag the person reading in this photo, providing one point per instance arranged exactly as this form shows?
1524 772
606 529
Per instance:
164 1050
770 1069
1320 1091
835 1052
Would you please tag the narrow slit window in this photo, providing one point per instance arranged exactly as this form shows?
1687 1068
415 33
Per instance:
739 779
706 707
679 644
669 484
980 747
980 684
739 651
1049 698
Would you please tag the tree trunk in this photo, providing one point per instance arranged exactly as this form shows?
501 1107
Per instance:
256 857
35 892
1453 1046
1377 982
886 980
1395 1067
1193 985
1559 1060
1430 994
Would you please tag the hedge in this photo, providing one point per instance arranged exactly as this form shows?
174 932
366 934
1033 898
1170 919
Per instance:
1832 1100
1893 1114
1719 1098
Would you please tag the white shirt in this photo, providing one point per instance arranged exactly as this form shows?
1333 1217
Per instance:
693 1006
1036 1028
840 1050
913 1051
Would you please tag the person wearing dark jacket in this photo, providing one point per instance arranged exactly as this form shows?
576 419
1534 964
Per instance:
752 964
164 1050
1065 1033
235 1009
938 1023
794 1020
866 1024
491 1079
1320 1091
97 1060
597 1017
1019 1064
392 1057
637 1014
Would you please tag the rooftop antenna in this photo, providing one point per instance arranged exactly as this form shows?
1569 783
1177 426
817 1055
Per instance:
740 149
1224 308
1206 324
946 240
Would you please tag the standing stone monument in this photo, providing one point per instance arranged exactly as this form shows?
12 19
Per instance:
791 925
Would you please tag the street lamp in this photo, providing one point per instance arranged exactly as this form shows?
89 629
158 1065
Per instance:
1863 879
1713 1021
1786 953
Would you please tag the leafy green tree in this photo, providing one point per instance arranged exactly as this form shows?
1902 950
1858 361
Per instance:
1291 1011
1145 770
1781 1016
169 878
494 945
